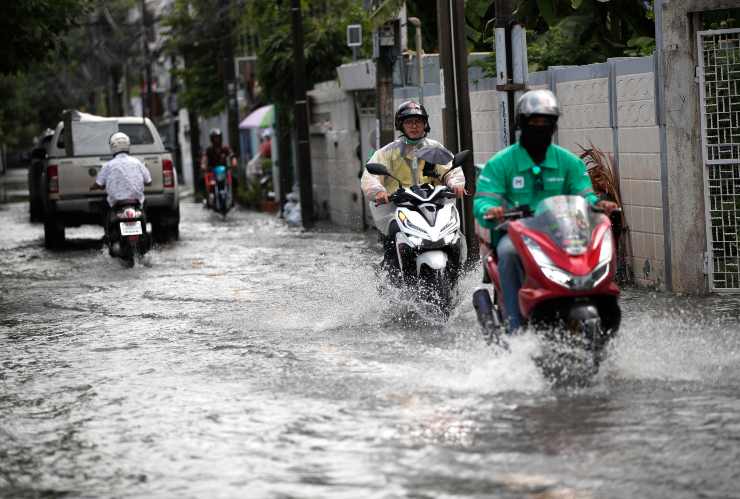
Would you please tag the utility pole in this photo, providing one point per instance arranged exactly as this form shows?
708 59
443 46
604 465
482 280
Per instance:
386 49
232 107
385 52
456 121
146 101
511 68
416 22
301 118
503 71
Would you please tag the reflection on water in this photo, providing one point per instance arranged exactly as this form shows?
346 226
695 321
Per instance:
255 360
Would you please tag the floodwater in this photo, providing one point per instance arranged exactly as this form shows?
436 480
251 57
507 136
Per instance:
254 360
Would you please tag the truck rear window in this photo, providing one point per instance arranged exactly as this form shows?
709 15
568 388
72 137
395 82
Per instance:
139 134
96 135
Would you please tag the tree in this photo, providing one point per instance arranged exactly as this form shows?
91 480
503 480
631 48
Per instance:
574 32
30 31
560 32
195 34
325 24
82 69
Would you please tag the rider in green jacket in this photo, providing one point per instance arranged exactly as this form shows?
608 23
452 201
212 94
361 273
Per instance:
525 173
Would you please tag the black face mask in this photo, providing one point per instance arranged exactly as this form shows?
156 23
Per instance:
536 139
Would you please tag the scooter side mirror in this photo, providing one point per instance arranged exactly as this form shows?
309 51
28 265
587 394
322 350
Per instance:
377 169
461 157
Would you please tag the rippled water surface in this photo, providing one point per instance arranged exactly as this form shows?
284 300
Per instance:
253 360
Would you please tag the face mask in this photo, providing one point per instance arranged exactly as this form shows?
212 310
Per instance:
536 139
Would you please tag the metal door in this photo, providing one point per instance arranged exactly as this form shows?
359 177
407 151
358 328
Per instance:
719 87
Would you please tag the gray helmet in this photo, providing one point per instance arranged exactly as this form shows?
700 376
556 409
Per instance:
542 102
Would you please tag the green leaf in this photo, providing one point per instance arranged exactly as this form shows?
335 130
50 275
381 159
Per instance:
547 11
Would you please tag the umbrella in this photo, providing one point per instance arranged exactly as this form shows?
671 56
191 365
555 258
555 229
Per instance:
262 117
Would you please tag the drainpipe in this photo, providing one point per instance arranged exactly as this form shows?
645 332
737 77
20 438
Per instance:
417 25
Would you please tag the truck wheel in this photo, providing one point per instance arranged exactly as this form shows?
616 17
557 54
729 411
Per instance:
36 210
163 232
53 233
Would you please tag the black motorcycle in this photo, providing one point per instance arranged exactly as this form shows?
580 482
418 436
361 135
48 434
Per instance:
127 236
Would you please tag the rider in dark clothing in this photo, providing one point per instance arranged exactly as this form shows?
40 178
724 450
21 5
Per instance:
216 154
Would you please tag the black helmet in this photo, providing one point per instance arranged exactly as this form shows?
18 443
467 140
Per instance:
410 109
215 132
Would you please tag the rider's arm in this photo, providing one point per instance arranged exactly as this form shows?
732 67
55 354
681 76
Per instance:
145 173
578 181
371 184
490 191
231 157
453 177
99 183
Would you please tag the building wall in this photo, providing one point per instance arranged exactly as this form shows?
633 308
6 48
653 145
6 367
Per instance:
639 168
335 156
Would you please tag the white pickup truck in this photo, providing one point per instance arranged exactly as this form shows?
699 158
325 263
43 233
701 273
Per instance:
78 151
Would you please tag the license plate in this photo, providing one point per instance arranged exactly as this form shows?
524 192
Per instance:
131 228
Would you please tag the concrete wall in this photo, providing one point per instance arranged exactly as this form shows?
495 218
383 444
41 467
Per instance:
610 105
639 169
334 156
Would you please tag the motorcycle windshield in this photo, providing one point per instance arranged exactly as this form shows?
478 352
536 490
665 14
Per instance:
567 220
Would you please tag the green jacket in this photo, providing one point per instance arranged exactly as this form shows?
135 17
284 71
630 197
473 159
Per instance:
509 179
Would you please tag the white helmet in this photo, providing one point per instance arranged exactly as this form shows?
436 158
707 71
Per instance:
542 102
119 142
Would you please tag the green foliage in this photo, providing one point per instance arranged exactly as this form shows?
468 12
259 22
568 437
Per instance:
196 32
574 32
324 32
387 11
30 31
76 71
722 19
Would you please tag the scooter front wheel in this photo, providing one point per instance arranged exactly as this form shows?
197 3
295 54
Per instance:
436 285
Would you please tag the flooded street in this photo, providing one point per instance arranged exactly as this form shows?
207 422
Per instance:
254 360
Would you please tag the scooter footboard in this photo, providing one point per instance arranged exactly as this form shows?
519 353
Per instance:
436 260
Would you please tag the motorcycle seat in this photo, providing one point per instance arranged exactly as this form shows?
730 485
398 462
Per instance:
126 202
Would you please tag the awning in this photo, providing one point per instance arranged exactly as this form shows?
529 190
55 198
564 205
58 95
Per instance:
262 117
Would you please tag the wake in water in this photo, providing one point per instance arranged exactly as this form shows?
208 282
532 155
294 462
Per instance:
676 345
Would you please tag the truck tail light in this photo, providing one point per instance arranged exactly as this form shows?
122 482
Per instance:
52 174
168 175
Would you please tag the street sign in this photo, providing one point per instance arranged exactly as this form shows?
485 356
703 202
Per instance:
354 35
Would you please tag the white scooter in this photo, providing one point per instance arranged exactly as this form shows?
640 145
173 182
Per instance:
423 222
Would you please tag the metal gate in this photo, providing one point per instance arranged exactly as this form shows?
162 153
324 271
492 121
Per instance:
719 87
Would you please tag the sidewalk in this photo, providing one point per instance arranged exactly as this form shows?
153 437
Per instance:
14 185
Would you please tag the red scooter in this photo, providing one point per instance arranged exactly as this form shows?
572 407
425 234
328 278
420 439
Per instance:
568 255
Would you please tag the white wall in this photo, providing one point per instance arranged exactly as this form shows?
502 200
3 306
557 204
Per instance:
610 105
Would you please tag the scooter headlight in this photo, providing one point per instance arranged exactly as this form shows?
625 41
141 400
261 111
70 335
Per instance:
536 251
451 225
408 224
557 276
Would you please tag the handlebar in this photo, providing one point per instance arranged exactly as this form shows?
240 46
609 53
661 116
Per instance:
515 213
398 195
